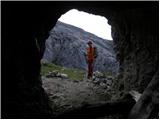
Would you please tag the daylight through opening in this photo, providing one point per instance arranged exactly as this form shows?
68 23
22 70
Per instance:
78 56
95 24
66 47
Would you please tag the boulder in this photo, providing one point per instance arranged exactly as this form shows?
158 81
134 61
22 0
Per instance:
98 74
56 74
136 95
64 76
52 74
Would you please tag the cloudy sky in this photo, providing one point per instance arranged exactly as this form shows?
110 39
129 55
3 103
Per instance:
92 23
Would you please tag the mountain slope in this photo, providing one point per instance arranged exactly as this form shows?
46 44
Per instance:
66 46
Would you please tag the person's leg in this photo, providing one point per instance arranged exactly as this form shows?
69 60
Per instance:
89 70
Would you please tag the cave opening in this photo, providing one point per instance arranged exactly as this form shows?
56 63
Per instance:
135 34
64 67
77 28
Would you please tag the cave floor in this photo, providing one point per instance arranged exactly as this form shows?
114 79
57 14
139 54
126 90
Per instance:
66 95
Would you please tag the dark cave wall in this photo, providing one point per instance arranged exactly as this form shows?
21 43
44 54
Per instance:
26 27
135 35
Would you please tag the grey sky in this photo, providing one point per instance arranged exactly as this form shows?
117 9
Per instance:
92 23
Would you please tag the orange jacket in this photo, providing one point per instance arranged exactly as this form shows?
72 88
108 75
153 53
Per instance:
90 53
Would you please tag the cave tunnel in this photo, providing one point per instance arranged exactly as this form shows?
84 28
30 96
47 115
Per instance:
24 31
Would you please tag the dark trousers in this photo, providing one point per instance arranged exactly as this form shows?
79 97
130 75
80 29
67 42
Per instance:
90 69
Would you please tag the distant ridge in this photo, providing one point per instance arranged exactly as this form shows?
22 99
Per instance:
66 46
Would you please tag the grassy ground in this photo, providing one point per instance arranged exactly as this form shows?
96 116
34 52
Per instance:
73 74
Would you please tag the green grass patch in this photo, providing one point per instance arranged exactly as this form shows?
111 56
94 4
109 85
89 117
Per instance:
73 74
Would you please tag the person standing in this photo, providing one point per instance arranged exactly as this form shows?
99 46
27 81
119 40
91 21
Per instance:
90 56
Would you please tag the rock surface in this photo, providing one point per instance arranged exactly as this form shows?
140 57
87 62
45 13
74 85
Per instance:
84 99
69 94
136 40
67 44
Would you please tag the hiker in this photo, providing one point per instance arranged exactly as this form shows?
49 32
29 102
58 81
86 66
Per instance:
90 58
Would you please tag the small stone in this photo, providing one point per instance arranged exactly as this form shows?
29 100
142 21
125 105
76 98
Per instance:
65 76
58 75
96 81
103 85
136 95
109 82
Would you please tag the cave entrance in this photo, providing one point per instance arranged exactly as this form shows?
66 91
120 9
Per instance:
67 42
64 67
135 34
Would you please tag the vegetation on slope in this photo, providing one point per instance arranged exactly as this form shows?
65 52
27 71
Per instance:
73 74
